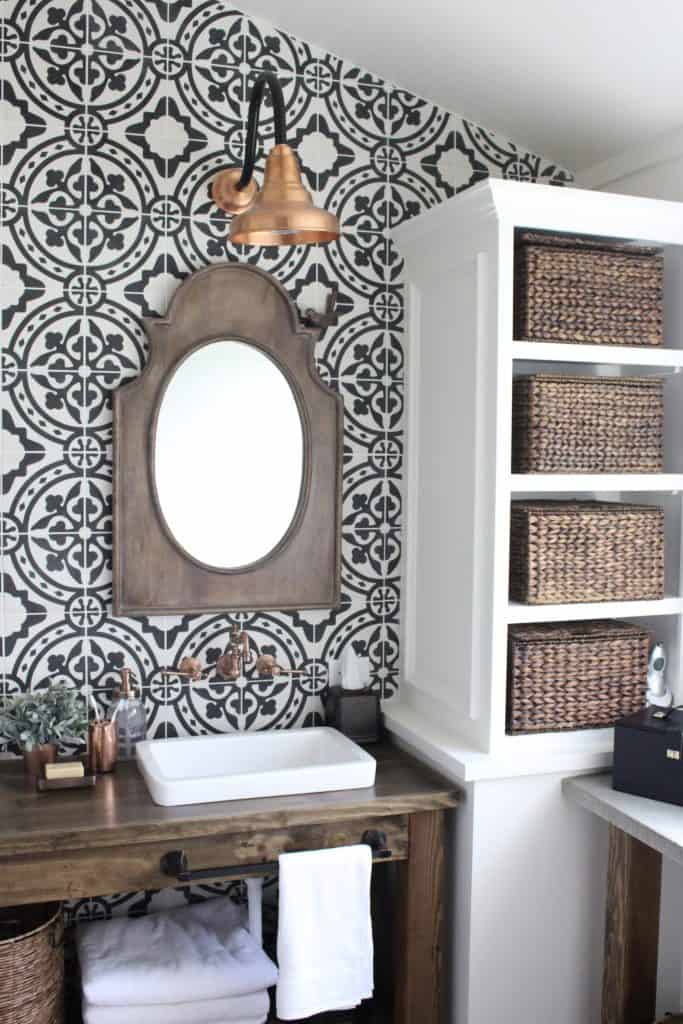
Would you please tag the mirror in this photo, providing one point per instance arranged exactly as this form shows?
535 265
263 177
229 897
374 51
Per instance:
228 455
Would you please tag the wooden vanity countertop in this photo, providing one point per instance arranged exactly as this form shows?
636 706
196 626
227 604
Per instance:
120 811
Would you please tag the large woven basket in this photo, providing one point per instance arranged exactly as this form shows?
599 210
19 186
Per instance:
587 291
564 424
32 964
574 675
571 551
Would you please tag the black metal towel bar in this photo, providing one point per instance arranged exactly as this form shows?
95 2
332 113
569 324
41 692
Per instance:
176 865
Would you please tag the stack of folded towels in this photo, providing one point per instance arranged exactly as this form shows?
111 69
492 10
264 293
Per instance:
193 965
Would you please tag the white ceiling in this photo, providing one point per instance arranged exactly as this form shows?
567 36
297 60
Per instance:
576 80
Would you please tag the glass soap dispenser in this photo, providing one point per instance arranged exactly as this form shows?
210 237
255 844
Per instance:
128 711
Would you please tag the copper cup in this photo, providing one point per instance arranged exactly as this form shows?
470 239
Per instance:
103 745
36 759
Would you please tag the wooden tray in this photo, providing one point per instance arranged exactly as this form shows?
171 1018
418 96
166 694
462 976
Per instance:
85 782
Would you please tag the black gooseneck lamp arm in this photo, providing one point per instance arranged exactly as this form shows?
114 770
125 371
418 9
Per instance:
266 78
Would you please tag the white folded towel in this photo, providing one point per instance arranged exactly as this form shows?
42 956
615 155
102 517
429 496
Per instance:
252 1008
171 956
324 942
94 1017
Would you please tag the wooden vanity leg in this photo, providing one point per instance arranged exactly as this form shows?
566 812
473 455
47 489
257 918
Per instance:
629 986
419 923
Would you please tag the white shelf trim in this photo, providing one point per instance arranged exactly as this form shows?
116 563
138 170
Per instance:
615 355
538 483
596 610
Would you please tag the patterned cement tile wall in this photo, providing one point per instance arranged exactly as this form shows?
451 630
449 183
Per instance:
114 117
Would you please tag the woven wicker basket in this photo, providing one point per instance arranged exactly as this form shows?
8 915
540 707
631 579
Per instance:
32 965
563 424
587 291
572 551
574 675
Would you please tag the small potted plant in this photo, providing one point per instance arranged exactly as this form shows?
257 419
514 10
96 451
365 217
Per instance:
38 722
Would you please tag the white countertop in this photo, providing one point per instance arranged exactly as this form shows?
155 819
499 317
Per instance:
655 823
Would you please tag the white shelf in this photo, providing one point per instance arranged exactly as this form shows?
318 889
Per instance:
547 753
618 355
538 483
595 610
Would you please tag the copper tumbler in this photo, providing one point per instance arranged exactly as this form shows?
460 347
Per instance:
103 744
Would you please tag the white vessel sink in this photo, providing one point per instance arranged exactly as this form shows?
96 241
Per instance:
237 766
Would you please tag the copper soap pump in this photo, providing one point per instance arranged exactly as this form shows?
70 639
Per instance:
282 213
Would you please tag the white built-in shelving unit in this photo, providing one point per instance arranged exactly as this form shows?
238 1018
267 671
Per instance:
462 358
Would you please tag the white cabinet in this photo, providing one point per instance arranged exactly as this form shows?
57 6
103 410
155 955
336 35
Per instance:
461 359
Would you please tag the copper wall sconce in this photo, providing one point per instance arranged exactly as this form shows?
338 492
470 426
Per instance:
282 213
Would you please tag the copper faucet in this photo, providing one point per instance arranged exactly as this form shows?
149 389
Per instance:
232 662
235 656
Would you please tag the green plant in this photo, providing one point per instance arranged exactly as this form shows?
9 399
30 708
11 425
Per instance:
47 716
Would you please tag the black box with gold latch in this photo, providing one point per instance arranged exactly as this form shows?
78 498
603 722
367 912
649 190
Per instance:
648 754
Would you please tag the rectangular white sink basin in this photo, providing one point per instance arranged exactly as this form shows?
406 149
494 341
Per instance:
237 766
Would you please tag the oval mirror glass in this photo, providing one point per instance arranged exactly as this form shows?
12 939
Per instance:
228 455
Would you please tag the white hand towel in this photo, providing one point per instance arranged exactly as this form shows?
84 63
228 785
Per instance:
172 956
324 942
253 1008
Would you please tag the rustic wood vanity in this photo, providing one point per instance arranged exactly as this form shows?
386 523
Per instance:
78 843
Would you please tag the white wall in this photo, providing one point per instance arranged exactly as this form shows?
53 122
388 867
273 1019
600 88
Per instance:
653 169
663 181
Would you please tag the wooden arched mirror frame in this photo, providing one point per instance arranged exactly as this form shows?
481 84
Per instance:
231 357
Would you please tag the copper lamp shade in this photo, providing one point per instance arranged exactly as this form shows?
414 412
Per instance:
282 213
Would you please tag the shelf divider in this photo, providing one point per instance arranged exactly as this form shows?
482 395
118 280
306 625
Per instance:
616 355
670 605
538 483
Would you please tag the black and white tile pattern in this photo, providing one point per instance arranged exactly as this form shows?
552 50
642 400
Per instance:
114 117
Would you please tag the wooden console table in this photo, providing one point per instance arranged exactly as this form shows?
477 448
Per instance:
79 843
641 832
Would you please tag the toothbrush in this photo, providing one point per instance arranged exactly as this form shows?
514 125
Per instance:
95 708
